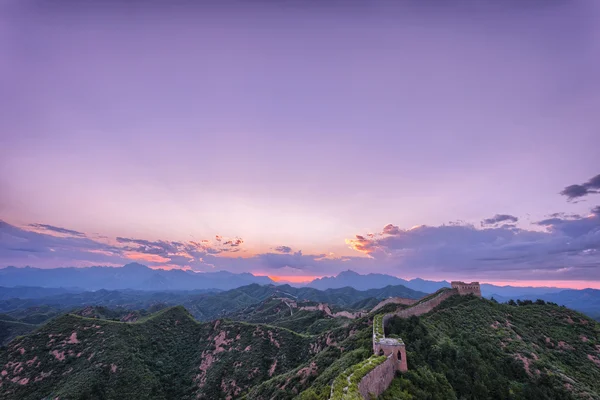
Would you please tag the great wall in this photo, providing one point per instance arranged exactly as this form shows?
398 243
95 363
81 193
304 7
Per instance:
374 375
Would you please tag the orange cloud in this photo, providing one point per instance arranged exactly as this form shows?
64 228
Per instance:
361 244
155 258
293 278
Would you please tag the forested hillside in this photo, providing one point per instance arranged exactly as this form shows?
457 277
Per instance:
467 348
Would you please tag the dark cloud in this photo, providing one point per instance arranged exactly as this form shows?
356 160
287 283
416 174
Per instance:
233 243
283 249
569 245
45 249
499 218
57 229
574 226
573 192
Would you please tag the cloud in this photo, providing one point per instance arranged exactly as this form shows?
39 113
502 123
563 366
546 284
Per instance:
391 229
283 249
569 244
56 229
573 192
498 218
560 247
37 245
233 243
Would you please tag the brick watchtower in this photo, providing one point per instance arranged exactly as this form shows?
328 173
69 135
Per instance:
467 288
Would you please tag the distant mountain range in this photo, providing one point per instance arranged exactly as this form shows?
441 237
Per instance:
203 304
31 283
140 277
130 276
373 281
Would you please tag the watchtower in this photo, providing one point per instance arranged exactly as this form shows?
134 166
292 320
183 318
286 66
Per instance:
467 288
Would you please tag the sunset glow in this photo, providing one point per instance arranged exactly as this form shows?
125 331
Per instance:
294 279
236 139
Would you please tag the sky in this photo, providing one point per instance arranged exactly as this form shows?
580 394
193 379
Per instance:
300 139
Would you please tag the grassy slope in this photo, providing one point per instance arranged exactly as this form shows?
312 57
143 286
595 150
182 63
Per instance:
166 355
476 349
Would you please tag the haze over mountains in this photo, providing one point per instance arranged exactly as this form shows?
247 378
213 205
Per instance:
130 276
140 277
29 283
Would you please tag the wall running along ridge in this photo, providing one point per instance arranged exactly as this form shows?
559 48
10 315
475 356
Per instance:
394 300
380 378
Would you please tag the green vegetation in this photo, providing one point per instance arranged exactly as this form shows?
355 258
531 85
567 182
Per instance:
202 305
275 311
378 327
11 329
165 355
345 386
471 348
312 380
467 348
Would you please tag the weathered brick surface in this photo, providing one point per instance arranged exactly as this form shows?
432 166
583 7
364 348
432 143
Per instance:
425 307
378 380
394 300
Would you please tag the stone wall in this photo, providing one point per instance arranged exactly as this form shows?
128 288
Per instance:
378 380
424 307
394 300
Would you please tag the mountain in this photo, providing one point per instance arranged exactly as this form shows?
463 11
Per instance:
370 281
203 304
374 281
477 349
130 276
472 348
303 317
488 290
33 292
467 348
586 301
356 281
11 328
167 355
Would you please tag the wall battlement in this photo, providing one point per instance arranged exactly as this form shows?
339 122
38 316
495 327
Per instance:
467 288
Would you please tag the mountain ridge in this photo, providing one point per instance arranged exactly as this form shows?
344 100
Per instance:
129 276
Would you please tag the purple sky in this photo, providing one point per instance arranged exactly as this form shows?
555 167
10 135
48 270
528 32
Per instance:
302 127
